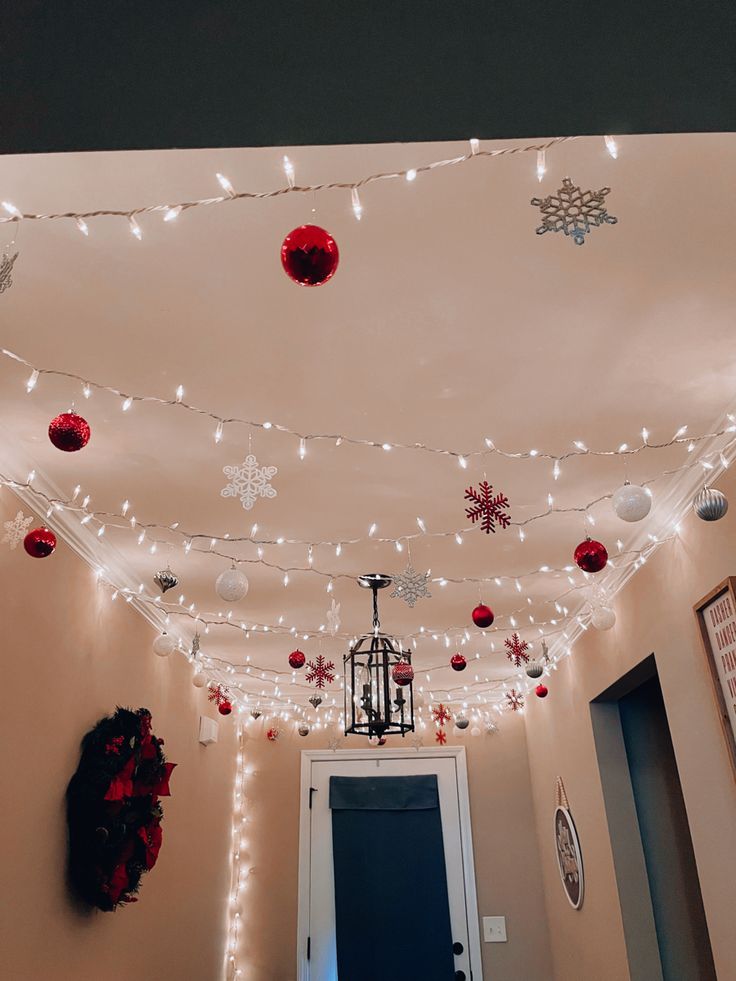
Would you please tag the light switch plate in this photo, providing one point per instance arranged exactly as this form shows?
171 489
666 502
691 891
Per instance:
494 929
207 730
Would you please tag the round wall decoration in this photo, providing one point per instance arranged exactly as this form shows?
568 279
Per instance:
567 849
113 809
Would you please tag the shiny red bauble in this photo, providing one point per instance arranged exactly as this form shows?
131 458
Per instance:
403 673
69 432
482 615
458 662
541 691
39 543
296 659
591 556
225 707
309 255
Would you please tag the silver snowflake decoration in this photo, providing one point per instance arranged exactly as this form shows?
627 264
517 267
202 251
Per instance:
573 211
6 270
249 482
17 529
411 585
335 740
417 741
333 618
491 728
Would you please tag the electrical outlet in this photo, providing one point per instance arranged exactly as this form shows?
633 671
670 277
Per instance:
494 929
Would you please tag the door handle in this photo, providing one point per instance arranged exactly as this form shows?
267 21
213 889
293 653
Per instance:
457 948
459 975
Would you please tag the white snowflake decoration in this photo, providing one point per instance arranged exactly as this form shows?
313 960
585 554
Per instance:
249 482
335 740
17 529
417 741
411 585
333 618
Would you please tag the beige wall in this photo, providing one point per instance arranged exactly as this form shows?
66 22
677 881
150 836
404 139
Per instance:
506 855
654 614
71 655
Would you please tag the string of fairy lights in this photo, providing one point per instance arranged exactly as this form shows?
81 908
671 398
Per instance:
170 211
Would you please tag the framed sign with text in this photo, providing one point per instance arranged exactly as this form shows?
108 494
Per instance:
716 615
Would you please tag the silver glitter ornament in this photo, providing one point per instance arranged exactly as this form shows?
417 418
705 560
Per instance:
411 585
710 504
534 669
315 700
165 579
256 713
303 729
461 722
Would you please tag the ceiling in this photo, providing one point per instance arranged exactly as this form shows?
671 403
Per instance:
448 322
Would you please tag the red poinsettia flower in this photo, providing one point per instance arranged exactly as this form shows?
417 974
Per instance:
151 837
159 788
121 784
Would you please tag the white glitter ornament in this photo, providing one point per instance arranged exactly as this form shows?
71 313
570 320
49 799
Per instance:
631 502
475 731
199 680
232 585
164 645
603 618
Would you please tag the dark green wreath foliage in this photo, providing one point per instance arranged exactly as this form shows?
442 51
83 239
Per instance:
113 808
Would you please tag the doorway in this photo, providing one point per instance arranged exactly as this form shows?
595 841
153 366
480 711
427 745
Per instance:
661 903
443 776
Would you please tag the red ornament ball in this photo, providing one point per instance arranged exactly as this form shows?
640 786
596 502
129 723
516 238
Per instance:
296 659
541 691
69 432
225 707
39 543
591 556
403 673
309 255
458 662
483 615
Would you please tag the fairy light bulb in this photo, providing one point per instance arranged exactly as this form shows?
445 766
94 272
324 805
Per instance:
32 381
411 174
82 226
225 185
611 146
541 164
135 229
289 171
356 205
171 214
12 210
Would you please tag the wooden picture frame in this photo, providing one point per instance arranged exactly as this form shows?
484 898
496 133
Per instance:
716 614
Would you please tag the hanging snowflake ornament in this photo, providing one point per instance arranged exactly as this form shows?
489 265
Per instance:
417 741
440 714
333 618
6 269
16 530
411 585
321 672
335 740
573 211
516 650
487 508
218 694
440 737
515 700
249 482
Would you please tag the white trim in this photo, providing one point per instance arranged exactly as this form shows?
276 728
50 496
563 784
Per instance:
457 753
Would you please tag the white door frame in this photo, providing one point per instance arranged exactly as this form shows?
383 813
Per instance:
466 837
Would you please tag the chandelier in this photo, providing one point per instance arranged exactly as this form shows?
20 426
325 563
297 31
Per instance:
379 698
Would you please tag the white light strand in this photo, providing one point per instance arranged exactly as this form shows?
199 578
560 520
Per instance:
622 449
14 214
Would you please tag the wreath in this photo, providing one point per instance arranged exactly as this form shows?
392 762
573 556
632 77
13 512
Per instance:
113 808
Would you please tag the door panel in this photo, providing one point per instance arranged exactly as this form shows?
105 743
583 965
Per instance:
323 959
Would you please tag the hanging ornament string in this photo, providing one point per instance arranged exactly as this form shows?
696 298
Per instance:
171 210
579 448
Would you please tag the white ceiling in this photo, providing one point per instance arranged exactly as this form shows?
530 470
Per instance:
448 321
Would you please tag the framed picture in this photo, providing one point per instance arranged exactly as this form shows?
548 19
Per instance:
716 615
567 849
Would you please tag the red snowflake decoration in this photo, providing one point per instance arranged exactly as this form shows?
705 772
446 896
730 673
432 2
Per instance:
440 714
218 694
515 700
320 672
273 734
441 737
516 650
488 508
